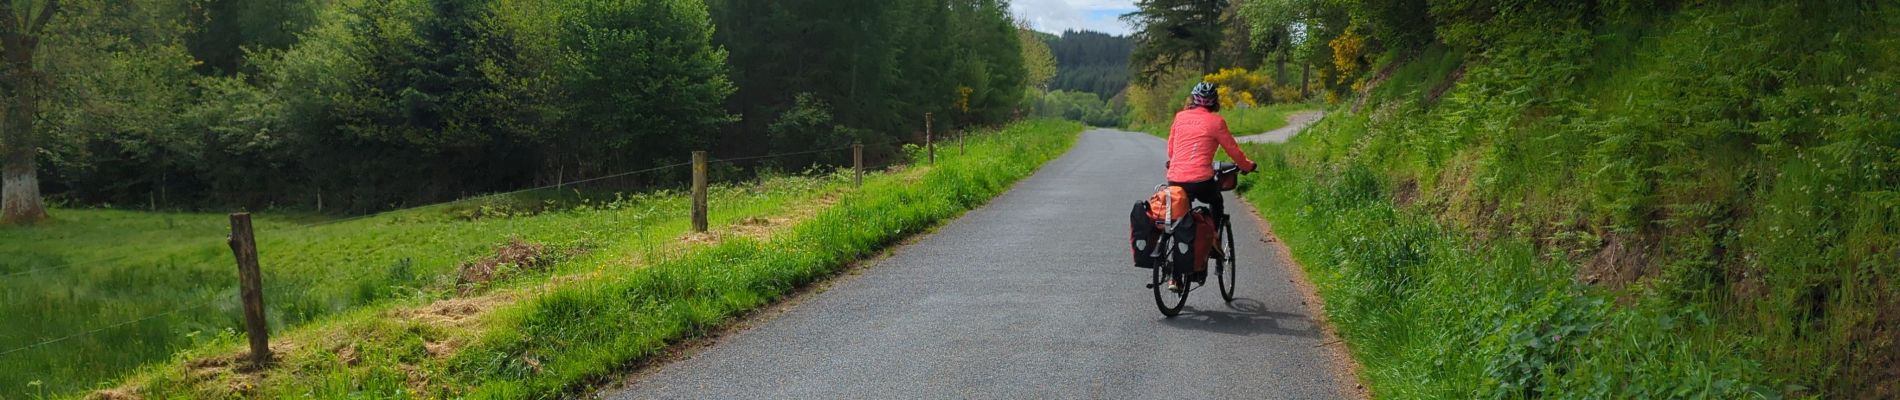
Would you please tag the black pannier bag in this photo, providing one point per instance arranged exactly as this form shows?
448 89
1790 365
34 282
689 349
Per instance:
1193 239
1142 235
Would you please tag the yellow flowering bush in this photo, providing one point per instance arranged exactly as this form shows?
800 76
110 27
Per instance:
1238 87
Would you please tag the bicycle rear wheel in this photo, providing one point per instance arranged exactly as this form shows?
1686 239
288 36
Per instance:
1226 268
1169 301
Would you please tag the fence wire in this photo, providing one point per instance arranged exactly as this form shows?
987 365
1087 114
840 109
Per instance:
345 273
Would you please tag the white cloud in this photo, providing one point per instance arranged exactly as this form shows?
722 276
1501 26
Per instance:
1055 16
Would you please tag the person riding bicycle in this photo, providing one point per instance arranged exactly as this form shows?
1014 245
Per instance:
1191 141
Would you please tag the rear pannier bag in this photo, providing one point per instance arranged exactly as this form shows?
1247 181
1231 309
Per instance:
1206 236
1194 239
1142 235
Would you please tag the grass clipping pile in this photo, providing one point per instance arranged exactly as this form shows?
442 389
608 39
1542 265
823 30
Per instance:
444 326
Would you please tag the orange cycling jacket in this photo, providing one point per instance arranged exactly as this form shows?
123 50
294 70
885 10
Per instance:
1191 144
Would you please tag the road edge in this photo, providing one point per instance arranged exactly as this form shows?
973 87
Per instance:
1342 365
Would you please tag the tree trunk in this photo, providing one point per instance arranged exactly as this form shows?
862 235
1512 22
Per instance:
19 103
1207 62
1305 68
1279 74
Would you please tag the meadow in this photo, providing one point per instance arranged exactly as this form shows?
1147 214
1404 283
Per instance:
623 297
173 275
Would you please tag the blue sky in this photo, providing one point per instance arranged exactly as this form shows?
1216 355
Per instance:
1055 16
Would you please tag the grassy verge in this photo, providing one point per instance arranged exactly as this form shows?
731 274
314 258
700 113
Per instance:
1674 203
551 337
1429 313
1244 121
94 268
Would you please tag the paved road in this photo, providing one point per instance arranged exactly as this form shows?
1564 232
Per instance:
1295 123
1031 296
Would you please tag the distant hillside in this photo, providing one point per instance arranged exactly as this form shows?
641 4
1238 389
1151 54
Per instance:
1091 62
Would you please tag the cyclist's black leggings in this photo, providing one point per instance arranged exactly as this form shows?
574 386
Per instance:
1207 191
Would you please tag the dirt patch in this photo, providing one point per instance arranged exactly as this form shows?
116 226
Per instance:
762 228
515 256
1624 259
1405 193
1877 358
1373 83
1450 81
116 394
456 312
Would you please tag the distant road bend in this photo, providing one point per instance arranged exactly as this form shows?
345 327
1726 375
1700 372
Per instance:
1030 296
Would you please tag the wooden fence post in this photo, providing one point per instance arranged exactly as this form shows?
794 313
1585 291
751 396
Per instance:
250 287
930 143
857 162
699 191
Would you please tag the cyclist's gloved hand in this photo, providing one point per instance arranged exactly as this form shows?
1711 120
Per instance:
1250 168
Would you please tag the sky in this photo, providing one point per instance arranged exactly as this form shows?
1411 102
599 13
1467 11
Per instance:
1055 16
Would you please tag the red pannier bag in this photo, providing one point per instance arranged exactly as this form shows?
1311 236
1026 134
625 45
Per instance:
1206 236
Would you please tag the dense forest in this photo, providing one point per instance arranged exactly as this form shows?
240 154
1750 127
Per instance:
1092 62
366 104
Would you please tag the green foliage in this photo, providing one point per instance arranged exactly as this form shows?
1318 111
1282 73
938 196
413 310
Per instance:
375 103
227 29
1078 106
1173 34
1696 198
809 126
1038 61
878 65
1092 62
653 56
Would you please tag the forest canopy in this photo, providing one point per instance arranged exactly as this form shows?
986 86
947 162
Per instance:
371 104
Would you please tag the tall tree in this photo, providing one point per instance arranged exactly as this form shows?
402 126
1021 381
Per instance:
1174 33
21 87
225 29
1037 58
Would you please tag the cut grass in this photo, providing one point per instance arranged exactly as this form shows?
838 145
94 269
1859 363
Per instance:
93 268
547 338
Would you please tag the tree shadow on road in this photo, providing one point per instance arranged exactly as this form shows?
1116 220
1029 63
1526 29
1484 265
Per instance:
1246 317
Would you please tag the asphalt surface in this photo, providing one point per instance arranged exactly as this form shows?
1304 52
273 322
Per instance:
1295 123
1031 296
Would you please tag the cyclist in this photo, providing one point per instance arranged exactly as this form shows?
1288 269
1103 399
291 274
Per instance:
1191 141
1197 130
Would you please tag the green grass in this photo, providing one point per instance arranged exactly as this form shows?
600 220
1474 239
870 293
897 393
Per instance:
1258 120
1244 121
1429 313
546 338
109 266
1696 203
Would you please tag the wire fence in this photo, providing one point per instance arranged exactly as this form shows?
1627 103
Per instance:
346 273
